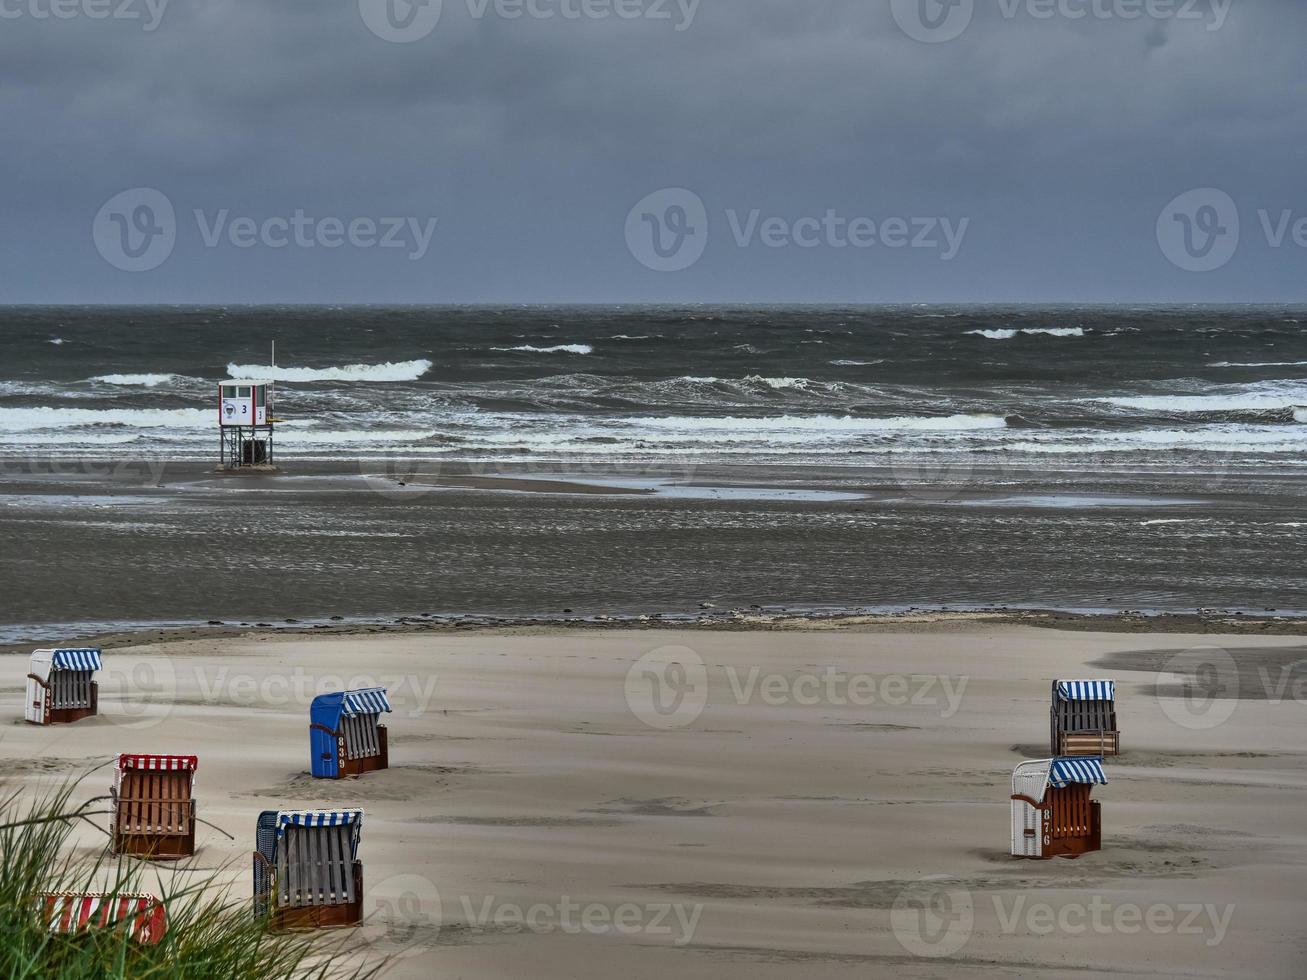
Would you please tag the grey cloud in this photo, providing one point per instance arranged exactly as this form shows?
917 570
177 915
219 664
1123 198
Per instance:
1061 140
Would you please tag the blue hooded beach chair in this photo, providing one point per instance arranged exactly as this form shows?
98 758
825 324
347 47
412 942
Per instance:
346 736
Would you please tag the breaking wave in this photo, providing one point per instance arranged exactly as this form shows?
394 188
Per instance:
138 380
394 371
560 349
821 423
1255 398
342 436
33 419
779 384
1029 332
1257 364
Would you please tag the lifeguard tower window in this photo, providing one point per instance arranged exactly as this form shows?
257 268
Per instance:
260 396
243 391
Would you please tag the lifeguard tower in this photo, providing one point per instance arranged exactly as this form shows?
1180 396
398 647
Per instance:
245 424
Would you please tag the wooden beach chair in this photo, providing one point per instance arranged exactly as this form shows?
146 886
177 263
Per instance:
74 912
346 737
154 806
60 686
1083 719
306 870
1052 814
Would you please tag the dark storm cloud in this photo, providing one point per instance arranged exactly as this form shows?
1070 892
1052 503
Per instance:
1059 139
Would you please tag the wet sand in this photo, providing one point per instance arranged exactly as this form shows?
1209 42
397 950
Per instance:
90 547
771 827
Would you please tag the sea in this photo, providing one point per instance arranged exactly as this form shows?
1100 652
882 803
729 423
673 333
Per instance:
1082 386
1096 459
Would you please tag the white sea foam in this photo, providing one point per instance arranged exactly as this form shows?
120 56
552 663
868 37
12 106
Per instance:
849 363
34 389
337 437
68 438
1029 332
57 341
818 423
1257 364
35 419
779 384
1254 398
560 349
393 371
138 380
1227 438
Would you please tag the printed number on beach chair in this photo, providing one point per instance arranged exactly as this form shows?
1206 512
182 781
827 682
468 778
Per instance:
1052 814
60 686
306 870
1084 719
72 912
346 736
154 805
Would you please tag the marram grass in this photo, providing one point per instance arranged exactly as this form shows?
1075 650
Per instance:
208 936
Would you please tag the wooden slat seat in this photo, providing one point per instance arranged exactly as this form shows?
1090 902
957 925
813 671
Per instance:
70 689
362 740
315 867
155 803
306 872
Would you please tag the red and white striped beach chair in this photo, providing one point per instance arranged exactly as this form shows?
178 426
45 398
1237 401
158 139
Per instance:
154 806
73 912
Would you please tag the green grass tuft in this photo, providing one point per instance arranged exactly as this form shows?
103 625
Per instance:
208 935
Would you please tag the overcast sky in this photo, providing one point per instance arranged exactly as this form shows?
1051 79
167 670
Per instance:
840 150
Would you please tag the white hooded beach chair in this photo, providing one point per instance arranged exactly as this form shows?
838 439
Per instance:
61 686
1052 814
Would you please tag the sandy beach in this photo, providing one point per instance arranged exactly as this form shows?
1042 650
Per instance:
825 803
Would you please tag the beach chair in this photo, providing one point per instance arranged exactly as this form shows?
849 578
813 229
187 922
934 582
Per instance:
346 736
74 912
60 688
1052 814
154 806
1083 719
306 869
